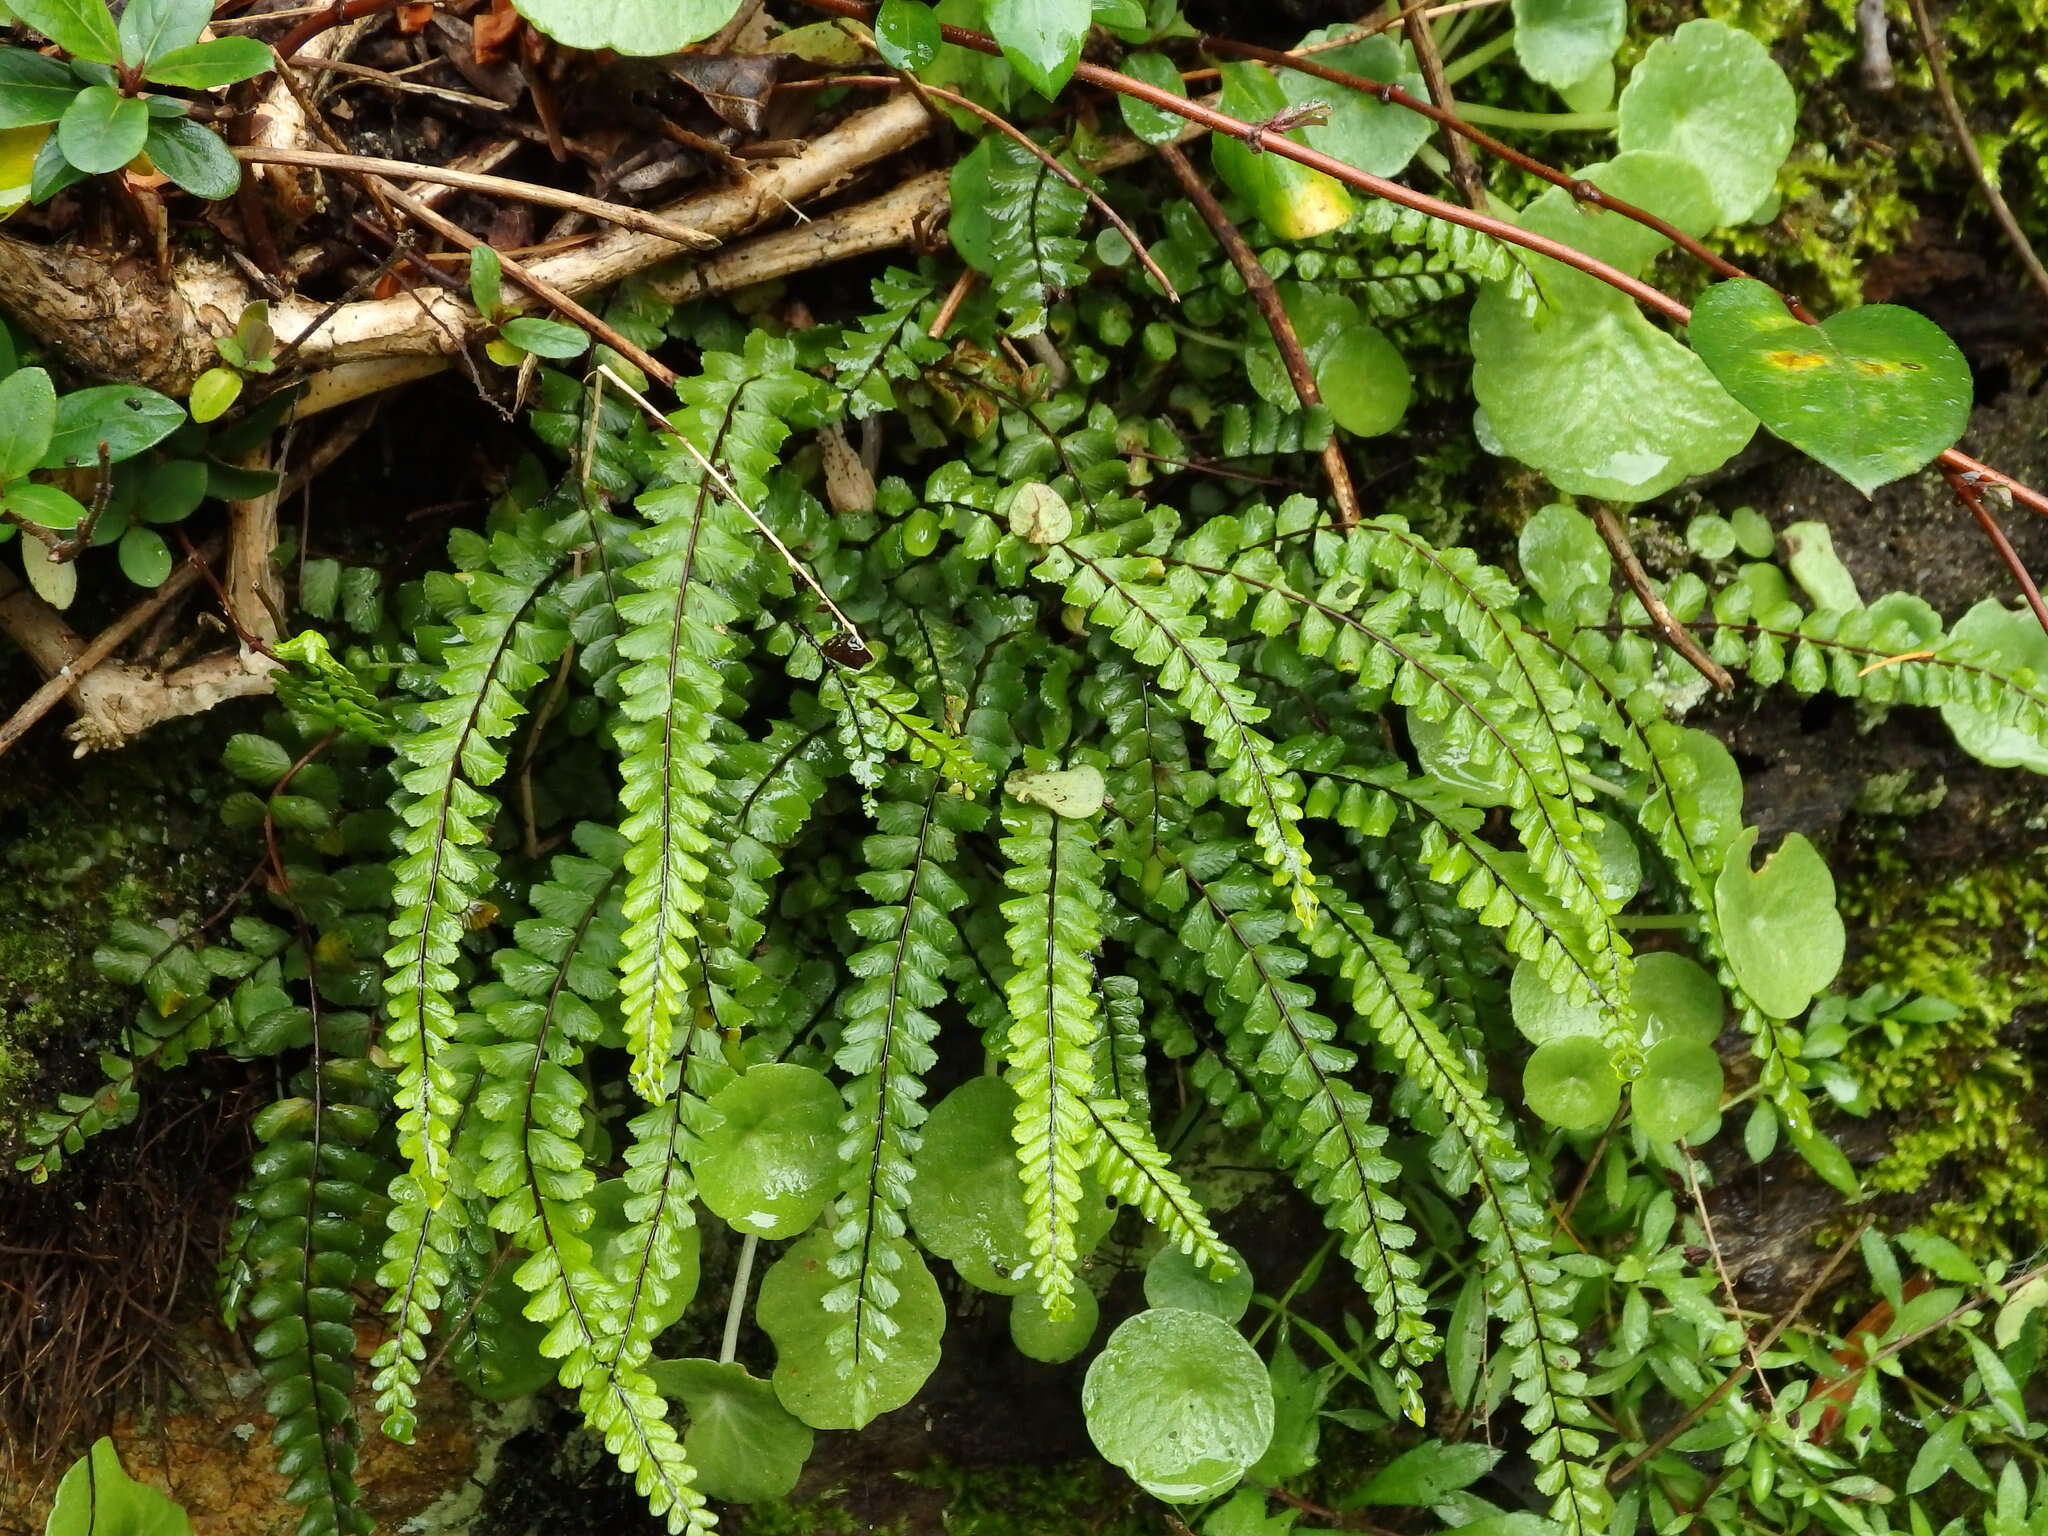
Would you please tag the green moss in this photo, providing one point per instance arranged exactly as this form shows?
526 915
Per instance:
1965 1088
1008 1500
82 845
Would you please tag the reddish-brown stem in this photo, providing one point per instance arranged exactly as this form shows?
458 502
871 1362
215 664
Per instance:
1968 494
1264 138
1259 283
1581 188
1666 623
333 16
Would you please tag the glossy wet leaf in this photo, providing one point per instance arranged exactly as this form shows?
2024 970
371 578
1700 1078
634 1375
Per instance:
1181 1402
1173 1279
907 32
1561 551
145 557
770 1149
193 156
1425 1474
1291 200
792 1310
1040 1336
97 1497
1362 130
102 130
744 1445
1562 42
1155 125
1712 94
1783 936
127 418
628 26
1873 393
1679 1089
28 420
2012 639
1543 1015
967 1201
1572 1083
45 505
1040 38
1585 388
149 28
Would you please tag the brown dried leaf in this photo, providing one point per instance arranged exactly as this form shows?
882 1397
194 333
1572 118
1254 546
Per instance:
736 86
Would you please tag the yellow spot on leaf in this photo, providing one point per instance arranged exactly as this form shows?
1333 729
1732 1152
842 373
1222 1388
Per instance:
1796 362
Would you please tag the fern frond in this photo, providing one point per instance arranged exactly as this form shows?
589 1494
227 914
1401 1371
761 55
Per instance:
1034 234
887 344
700 575
1157 624
1135 1171
1120 1047
885 1050
1474 253
502 647
1055 926
1396 287
877 716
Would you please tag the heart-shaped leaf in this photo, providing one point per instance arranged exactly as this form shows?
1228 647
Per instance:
1562 42
1873 393
1040 38
744 1445
1362 130
1783 936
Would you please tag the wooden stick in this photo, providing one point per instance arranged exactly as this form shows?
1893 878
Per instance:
1662 619
638 219
1258 283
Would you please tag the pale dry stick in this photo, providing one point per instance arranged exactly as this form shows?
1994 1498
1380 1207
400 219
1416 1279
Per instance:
1966 142
956 295
1662 619
623 216
66 673
1734 1378
731 493
1258 283
1699 1205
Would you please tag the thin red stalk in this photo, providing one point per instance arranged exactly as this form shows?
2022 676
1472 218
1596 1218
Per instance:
1968 494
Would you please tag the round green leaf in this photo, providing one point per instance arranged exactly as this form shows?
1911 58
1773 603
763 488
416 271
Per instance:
1561 551
193 156
28 420
1679 1090
1365 382
46 505
214 393
1040 38
126 417
629 26
967 1201
1572 1084
907 33
1291 200
742 1443
1173 1279
1155 125
1712 94
1783 936
102 130
1039 1336
1561 42
202 66
2012 638
1710 536
1543 1015
770 1149
1676 998
1362 130
1180 1402
793 1311
145 557
1753 533
504 1360
1873 393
